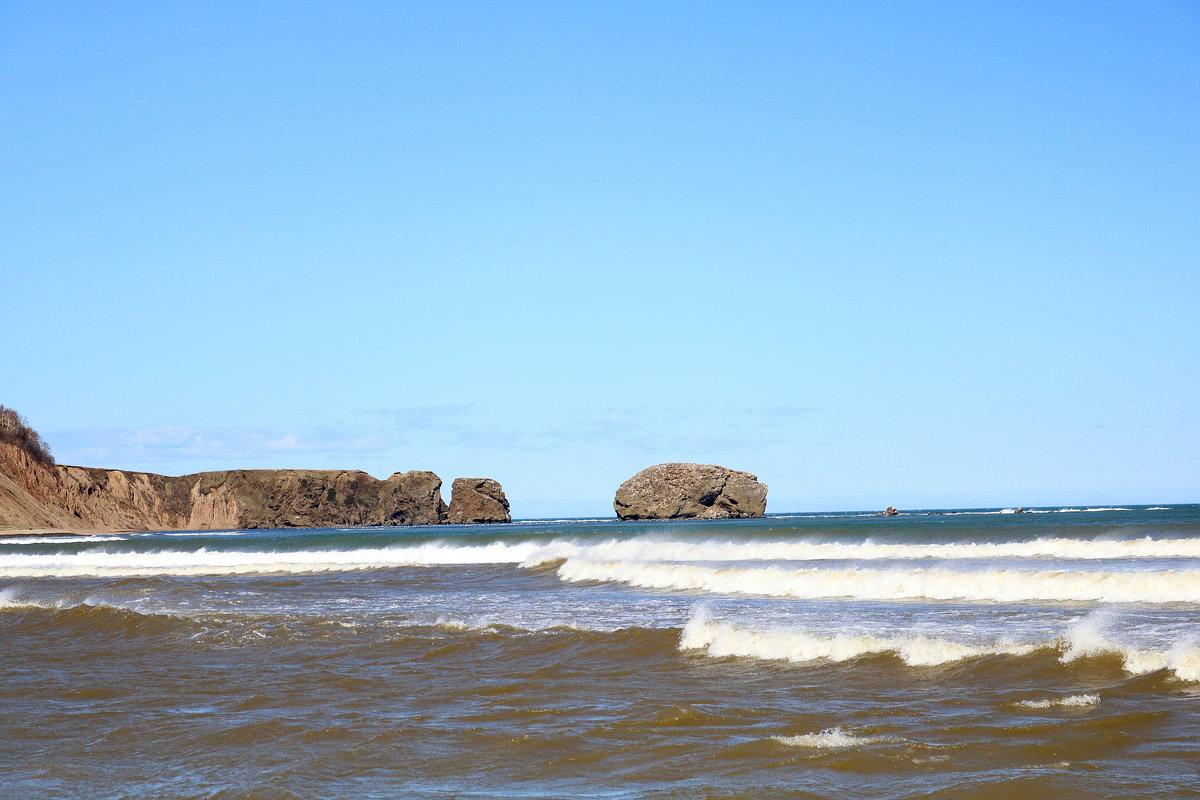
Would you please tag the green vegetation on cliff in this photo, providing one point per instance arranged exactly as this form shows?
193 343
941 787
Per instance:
14 429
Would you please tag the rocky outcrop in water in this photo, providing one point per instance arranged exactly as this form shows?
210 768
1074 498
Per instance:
690 491
36 494
296 498
474 500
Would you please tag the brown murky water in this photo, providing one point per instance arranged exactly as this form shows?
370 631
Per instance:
798 657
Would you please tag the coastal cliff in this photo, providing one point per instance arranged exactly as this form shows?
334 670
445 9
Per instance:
36 494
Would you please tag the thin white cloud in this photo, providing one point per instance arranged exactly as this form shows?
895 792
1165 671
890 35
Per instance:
214 448
684 433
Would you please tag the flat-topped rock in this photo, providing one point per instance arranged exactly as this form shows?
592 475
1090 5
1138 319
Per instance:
476 500
690 491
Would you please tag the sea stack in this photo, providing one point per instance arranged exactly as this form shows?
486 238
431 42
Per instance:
476 500
690 491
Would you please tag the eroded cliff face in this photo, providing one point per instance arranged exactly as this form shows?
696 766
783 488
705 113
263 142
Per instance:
29 492
296 498
38 495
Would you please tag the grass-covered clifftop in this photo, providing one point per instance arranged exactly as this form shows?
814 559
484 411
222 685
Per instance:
15 430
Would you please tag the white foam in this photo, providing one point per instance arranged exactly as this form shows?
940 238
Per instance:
637 550
1091 637
9 602
95 563
721 639
1004 585
648 549
8 599
59 539
833 739
461 625
1073 701
193 533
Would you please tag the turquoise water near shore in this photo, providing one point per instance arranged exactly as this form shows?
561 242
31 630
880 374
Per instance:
977 653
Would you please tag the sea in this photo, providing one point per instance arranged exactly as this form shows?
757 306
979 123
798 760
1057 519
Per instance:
944 653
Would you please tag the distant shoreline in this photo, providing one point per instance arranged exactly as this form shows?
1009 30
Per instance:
15 533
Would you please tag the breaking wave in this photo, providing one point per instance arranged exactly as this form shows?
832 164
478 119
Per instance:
87 617
72 539
635 553
994 585
676 550
204 562
1091 638
723 640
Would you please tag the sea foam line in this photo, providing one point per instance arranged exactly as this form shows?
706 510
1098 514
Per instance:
648 549
1003 585
73 539
97 563
533 554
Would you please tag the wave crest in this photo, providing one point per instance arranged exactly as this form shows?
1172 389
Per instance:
834 739
99 562
723 639
1003 585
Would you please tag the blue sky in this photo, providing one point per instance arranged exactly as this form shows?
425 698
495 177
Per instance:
918 254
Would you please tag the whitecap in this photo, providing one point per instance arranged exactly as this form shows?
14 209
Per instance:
1072 701
993 585
722 639
834 739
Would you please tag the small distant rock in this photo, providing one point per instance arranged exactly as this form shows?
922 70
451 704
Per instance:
476 500
690 491
890 511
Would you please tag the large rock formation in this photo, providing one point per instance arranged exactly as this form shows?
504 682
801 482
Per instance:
298 498
690 491
37 494
477 500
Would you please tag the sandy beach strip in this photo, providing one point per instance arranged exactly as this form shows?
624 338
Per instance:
12 533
